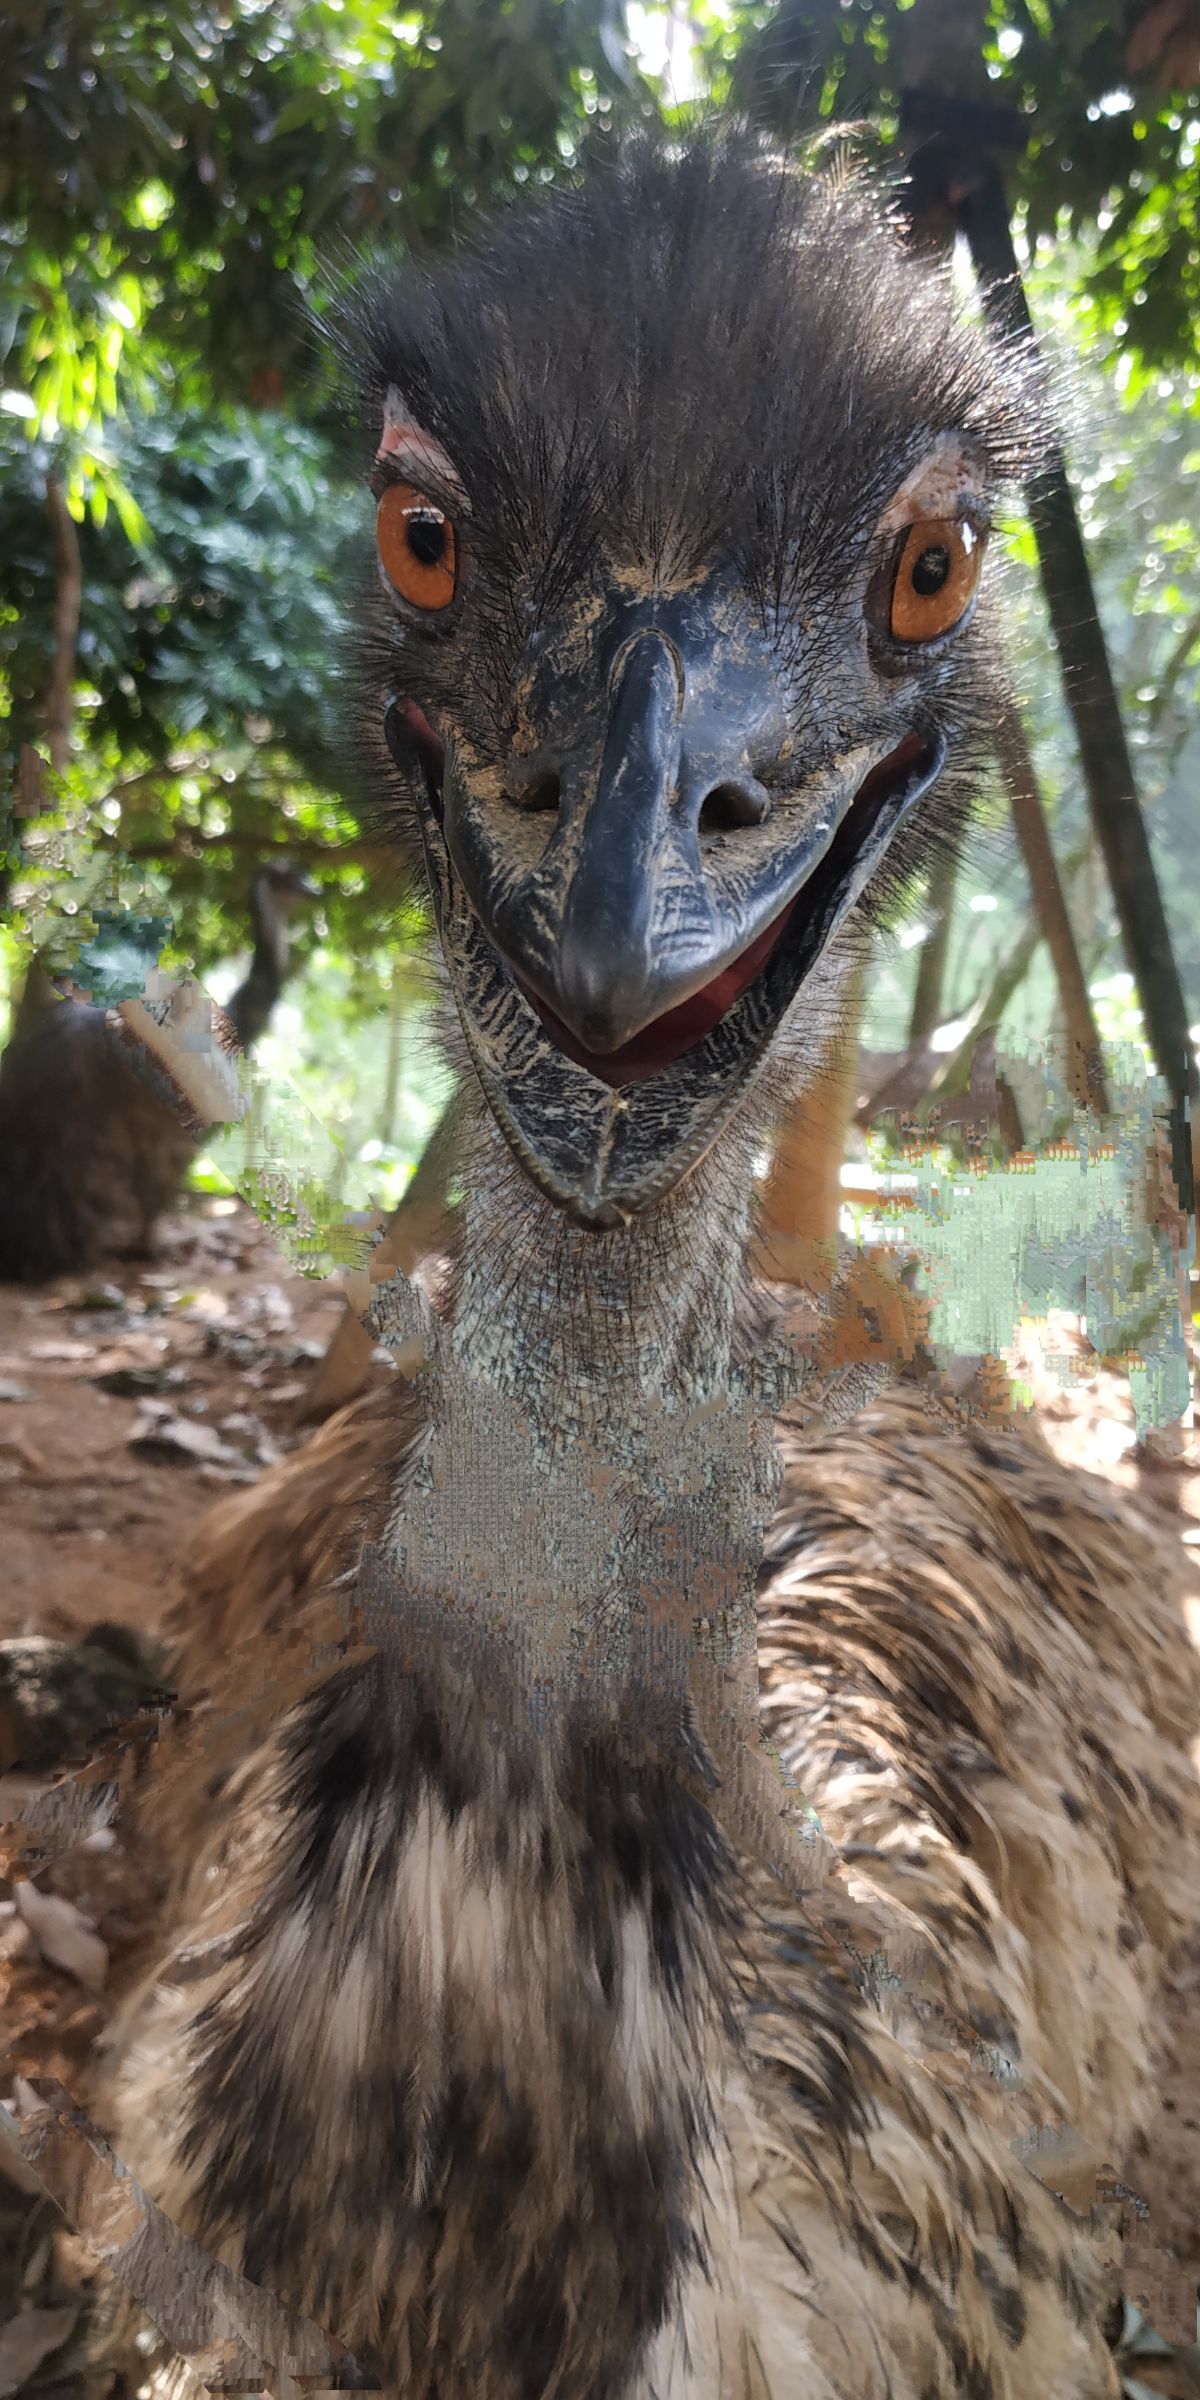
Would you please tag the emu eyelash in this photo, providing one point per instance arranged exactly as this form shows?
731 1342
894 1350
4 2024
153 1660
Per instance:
975 513
399 466
418 620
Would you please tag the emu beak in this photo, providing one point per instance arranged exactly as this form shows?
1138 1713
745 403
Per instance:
620 983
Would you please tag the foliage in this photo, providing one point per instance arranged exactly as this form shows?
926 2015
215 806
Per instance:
1110 95
191 160
209 713
220 611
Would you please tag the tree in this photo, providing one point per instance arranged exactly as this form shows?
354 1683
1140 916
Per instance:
171 181
1107 89
191 163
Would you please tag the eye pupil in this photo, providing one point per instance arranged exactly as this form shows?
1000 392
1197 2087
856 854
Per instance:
426 537
930 571
418 548
934 578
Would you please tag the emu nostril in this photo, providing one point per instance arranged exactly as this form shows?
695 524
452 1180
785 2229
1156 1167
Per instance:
731 805
534 790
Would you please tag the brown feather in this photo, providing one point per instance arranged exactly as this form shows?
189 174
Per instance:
990 1711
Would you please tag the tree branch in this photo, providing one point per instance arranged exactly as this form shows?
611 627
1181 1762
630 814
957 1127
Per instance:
1177 660
931 959
67 597
190 843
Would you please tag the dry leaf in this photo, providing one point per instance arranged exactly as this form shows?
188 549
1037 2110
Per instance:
175 1439
63 1935
19 1446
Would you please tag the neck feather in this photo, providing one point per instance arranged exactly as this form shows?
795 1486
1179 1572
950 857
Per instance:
589 1330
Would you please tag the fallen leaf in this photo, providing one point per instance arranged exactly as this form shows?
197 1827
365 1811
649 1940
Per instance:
63 1935
129 1383
173 1440
252 1437
19 1446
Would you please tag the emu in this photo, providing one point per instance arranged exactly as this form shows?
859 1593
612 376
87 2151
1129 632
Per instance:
516 2023
92 1152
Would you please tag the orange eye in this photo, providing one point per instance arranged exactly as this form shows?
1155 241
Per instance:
418 547
935 579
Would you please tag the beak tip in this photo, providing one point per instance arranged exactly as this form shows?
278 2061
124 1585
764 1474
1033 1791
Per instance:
599 1008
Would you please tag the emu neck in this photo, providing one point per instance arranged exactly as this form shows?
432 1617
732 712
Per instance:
591 1334
584 1526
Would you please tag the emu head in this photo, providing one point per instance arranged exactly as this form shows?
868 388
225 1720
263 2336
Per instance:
684 484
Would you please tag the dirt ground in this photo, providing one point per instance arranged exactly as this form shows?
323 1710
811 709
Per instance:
128 1403
127 1406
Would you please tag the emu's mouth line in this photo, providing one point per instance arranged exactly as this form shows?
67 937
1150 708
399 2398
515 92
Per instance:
678 1030
683 1028
607 1137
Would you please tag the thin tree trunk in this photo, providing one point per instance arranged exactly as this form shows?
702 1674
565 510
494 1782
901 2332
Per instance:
953 1074
1085 1072
931 961
951 34
1091 696
29 799
67 597
920 1070
31 782
424 1217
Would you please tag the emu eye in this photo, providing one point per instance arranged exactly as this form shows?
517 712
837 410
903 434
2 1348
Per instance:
935 579
418 548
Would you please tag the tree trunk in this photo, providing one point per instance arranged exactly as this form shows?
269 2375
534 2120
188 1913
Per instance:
921 1070
1085 1072
797 1234
1177 659
931 959
1091 696
423 1220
